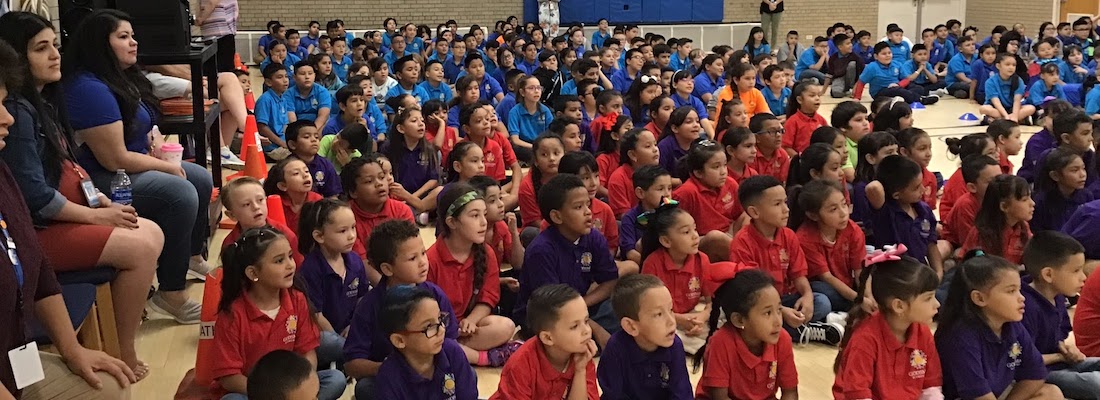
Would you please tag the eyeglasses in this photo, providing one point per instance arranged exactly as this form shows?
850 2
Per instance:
433 329
533 87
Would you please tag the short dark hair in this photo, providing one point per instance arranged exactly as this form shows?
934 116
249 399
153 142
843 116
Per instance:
397 307
752 188
295 128
628 293
644 177
386 238
346 92
1049 249
660 49
544 303
1067 122
271 69
574 161
277 374
756 123
552 195
973 165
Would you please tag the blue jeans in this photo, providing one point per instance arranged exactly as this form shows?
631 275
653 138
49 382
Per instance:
821 310
604 315
364 388
331 350
333 384
1081 381
179 207
945 285
836 301
812 73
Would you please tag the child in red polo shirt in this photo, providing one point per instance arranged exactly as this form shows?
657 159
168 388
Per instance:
916 145
367 188
614 128
977 171
955 187
709 192
773 247
833 244
558 360
290 179
260 311
464 162
548 150
740 145
1005 210
507 157
436 131
1006 136
771 159
245 202
751 356
637 149
892 354
476 121
467 269
802 117
501 234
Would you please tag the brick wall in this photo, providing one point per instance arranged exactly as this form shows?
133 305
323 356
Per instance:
364 14
985 14
810 17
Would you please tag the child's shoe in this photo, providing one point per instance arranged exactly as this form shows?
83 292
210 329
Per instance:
929 100
500 354
823 332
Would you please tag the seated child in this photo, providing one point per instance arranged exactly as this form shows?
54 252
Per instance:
356 107
1048 85
915 144
651 184
583 165
898 215
1004 93
303 140
740 146
773 247
501 234
1059 189
985 351
972 144
557 360
415 160
341 148
844 67
570 252
802 118
887 79
291 180
307 100
245 202
608 153
413 322
850 118
872 149
333 275
1041 141
261 310
548 150
1056 263
749 346
680 132
925 72
570 131
272 110
528 118
833 244
771 159
637 149
283 374
1001 225
367 188
959 70
977 171
709 191
776 91
734 116
396 252
647 347
434 84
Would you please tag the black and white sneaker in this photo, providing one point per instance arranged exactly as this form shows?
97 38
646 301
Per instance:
823 332
929 100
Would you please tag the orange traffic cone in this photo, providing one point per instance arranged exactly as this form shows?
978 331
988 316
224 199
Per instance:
275 209
255 165
250 136
205 359
250 102
238 64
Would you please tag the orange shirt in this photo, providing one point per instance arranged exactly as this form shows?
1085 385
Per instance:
714 210
1013 240
778 164
782 258
528 374
752 99
728 363
620 190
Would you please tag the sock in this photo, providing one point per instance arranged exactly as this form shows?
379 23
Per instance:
482 358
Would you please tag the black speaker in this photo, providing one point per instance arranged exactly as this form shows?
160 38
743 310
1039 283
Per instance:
73 12
160 26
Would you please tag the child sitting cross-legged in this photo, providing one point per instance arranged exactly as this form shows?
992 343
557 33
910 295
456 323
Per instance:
291 180
651 184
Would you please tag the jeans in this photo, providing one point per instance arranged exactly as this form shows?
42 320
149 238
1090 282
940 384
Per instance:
945 284
822 308
845 83
364 388
910 96
179 206
770 24
836 301
331 350
814 74
957 87
1081 381
604 315
333 384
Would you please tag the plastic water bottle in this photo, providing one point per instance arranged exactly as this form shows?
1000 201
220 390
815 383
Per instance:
121 190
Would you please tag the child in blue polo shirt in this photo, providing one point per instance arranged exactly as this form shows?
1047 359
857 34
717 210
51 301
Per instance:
307 100
434 83
303 140
981 70
1056 263
1004 92
898 213
277 53
407 70
959 69
570 252
340 59
776 91
811 62
895 39
1048 85
334 276
887 78
529 117
645 360
985 350
415 325
271 111
926 73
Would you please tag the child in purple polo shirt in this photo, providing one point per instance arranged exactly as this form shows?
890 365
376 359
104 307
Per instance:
304 140
331 272
1056 263
415 161
396 251
416 327
570 252
645 360
651 184
283 374
1041 141
898 215
985 351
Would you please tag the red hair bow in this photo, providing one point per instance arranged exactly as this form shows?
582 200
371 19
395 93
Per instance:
601 124
891 253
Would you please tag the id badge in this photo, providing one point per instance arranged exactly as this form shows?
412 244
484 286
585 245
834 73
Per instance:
26 365
90 192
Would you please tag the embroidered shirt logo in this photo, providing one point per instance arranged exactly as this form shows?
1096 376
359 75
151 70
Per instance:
449 384
319 177
664 375
694 287
917 361
772 372
586 262
1014 353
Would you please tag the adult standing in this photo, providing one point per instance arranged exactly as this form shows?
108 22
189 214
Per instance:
111 106
218 19
771 11
28 288
39 152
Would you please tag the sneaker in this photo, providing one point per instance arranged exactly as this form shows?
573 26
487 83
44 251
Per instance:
929 100
423 219
822 332
198 270
500 354
838 317
188 313
230 160
941 92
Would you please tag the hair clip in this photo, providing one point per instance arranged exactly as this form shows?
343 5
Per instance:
647 79
979 253
706 143
890 253
603 123
665 204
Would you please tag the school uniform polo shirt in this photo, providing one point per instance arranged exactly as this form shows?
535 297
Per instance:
842 257
977 362
629 231
1010 239
891 226
456 278
496 161
998 88
326 181
620 190
1039 91
414 169
551 259
307 106
806 60
778 164
528 67
704 84
391 56
529 375
715 208
853 151
911 67
244 334
628 372
878 76
901 50
291 236
931 188
489 89
686 282
569 88
798 129
867 54
288 206
333 296
529 211
980 72
367 341
959 63
501 242
442 92
528 125
416 92
1039 143
621 80
1086 318
503 108
777 104
452 377
452 69
365 221
340 66
670 153
271 110
728 363
747 173
603 220
960 221
1052 210
1092 102
1047 322
677 62
874 365
937 54
953 190
1069 76
692 101
782 258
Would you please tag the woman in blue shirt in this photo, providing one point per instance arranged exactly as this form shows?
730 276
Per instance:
112 107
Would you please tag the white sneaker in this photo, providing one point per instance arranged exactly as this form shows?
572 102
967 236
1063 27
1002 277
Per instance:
230 159
839 318
423 219
198 270
941 92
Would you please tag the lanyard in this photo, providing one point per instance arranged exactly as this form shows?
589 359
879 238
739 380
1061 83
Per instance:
8 245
